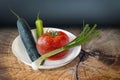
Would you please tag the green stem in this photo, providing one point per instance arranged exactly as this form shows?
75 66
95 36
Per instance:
14 13
38 15
54 52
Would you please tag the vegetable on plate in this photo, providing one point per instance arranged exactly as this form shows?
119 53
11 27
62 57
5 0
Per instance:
39 26
27 38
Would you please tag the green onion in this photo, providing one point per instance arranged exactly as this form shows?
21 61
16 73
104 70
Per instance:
86 35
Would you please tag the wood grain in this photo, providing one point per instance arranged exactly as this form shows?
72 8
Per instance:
105 66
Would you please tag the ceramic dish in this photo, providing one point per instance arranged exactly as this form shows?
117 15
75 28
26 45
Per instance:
20 52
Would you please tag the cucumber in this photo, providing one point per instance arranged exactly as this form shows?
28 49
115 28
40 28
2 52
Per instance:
27 38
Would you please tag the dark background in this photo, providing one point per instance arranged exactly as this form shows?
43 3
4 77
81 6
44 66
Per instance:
62 13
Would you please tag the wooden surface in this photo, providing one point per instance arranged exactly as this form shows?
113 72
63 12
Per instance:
104 66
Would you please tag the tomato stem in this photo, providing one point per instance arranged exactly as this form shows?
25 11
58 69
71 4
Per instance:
52 33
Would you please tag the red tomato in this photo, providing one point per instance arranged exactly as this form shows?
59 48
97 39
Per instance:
51 41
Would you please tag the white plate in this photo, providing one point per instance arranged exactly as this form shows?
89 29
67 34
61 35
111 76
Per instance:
20 52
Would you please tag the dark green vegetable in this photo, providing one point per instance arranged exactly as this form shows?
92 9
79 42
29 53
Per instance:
39 26
27 38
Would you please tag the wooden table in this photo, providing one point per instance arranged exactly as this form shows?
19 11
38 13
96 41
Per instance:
104 66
